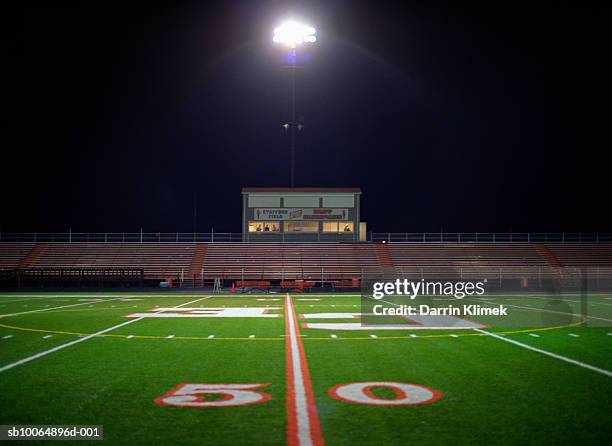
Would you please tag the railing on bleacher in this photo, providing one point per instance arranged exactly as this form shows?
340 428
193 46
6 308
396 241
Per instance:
233 237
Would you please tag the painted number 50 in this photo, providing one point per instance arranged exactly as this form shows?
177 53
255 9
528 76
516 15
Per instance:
214 395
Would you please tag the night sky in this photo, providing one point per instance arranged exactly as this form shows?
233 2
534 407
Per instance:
455 115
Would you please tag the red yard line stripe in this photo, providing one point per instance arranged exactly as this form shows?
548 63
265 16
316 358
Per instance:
303 427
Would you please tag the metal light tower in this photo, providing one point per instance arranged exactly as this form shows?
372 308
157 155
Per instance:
292 34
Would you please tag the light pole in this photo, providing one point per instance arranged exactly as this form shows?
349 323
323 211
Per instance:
292 34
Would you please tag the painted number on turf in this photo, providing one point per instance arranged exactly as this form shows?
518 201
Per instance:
214 395
405 394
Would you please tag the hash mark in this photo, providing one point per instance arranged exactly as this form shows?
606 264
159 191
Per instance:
251 336
7 337
47 337
169 337
573 335
454 336
211 336
534 335
373 336
130 336
333 336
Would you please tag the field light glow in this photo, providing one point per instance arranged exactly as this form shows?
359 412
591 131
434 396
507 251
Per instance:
292 33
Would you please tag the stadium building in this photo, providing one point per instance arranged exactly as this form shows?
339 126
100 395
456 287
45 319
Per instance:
302 214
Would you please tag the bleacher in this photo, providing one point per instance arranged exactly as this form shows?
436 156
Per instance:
159 260
11 254
464 254
337 263
584 254
252 261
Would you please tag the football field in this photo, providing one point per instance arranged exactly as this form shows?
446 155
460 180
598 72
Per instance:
197 368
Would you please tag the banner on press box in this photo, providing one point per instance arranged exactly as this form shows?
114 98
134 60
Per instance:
300 214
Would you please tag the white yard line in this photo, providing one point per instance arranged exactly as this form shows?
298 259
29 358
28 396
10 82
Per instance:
83 339
561 297
547 353
543 310
56 308
28 299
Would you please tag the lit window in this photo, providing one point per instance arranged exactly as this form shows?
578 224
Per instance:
346 227
264 226
301 226
330 226
338 227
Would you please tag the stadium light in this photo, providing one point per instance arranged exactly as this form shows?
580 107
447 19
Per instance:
292 33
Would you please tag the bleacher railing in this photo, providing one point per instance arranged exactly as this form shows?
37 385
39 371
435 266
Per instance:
492 237
276 237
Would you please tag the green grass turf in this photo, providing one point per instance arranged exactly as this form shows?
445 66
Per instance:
492 391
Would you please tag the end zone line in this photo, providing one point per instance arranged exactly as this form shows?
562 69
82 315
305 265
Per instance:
303 427
547 353
83 339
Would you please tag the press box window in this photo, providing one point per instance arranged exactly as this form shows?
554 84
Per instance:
301 226
338 227
264 226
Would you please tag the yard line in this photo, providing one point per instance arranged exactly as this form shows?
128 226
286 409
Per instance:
54 308
303 426
529 307
568 300
31 298
547 353
82 339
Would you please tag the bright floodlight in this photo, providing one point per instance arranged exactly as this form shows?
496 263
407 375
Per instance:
292 34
